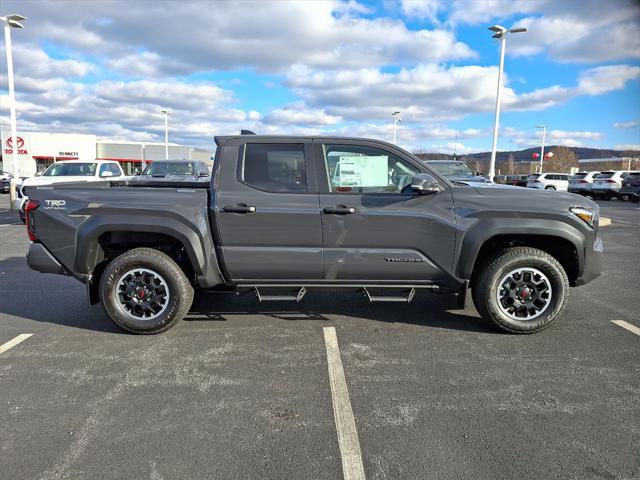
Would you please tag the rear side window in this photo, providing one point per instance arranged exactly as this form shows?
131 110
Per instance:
275 167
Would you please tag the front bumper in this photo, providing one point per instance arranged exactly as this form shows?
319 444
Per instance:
592 262
41 260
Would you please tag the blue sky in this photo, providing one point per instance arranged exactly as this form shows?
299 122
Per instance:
331 67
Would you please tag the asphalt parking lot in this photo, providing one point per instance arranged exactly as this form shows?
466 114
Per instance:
242 390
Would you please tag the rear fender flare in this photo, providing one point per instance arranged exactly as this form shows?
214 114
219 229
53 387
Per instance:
199 248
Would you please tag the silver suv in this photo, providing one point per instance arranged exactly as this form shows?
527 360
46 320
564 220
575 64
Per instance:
606 185
582 183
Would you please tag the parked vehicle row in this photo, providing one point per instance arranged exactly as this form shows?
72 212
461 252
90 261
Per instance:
621 184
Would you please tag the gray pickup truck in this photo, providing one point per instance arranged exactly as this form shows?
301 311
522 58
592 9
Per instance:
284 216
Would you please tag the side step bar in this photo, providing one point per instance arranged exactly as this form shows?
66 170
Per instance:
406 298
262 297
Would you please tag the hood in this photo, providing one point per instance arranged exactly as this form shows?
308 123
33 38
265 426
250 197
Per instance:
534 196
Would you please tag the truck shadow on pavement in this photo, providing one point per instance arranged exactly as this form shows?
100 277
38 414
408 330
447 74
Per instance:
63 301
429 310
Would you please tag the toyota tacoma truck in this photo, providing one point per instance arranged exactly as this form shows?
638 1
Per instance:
286 216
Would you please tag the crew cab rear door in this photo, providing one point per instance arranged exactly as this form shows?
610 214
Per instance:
266 211
374 226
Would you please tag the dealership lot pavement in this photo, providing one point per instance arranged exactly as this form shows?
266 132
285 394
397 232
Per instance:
241 390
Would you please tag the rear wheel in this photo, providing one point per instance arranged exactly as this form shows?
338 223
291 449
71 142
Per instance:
144 291
521 290
549 187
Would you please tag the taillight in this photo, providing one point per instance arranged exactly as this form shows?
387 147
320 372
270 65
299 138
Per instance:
29 207
583 181
611 181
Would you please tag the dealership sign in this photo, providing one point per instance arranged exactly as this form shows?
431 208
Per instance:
20 146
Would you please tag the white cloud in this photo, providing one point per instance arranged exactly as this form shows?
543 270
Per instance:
147 38
422 9
430 93
523 139
631 124
298 114
627 146
569 31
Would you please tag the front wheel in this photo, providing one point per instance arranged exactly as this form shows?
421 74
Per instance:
550 187
144 291
521 290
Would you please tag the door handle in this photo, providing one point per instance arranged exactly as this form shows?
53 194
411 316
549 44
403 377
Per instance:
240 208
340 210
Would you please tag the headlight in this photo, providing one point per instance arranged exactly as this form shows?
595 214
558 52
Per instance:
588 216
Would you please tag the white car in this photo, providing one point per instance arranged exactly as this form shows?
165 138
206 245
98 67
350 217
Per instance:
549 181
69 171
607 185
582 183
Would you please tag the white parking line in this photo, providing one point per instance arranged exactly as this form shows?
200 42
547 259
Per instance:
14 341
352 468
627 326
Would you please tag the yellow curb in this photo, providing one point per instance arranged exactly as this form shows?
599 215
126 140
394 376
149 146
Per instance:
604 222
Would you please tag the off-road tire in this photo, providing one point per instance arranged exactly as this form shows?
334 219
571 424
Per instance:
486 283
179 288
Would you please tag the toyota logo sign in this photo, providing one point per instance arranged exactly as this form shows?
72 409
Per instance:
20 150
10 142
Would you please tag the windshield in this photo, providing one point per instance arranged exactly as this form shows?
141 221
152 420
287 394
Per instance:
452 169
605 175
75 169
579 176
170 168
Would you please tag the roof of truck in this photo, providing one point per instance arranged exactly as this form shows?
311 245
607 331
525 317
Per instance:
222 139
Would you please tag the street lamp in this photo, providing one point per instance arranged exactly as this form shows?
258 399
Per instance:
501 34
396 119
544 135
12 21
166 133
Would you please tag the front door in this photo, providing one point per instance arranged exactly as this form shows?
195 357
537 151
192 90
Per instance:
267 212
374 227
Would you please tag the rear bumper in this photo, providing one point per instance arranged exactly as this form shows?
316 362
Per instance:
630 192
579 190
592 262
40 260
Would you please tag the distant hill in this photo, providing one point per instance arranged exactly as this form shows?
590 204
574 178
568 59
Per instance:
526 154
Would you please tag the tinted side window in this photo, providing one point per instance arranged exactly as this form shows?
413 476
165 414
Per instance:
275 167
360 169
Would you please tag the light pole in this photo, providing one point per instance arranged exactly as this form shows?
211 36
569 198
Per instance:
396 119
12 21
501 34
166 133
544 135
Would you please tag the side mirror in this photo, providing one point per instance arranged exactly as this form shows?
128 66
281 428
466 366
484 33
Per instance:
425 184
203 173
136 171
479 174
106 174
39 174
